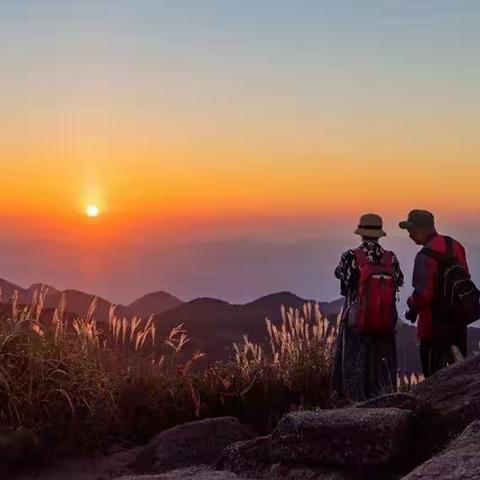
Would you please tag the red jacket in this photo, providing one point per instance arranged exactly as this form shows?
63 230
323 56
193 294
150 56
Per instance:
425 282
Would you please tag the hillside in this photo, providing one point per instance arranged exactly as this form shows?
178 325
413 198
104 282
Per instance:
154 303
78 303
214 325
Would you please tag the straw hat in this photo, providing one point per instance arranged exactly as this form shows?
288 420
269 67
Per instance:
370 225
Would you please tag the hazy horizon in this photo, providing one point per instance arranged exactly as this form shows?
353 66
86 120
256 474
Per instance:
243 263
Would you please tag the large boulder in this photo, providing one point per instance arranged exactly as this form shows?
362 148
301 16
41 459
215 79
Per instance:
251 457
452 399
190 444
284 472
20 447
460 460
193 473
344 438
404 401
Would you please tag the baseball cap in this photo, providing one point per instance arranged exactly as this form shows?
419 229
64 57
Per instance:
418 219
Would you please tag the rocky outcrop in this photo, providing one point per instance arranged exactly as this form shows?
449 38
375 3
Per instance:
403 401
452 401
284 472
252 457
459 461
383 438
338 444
193 473
190 444
276 472
345 438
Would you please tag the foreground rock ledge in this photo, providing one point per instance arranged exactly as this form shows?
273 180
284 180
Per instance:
344 438
194 473
190 444
460 460
452 401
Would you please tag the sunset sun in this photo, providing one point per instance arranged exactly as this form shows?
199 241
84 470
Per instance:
92 211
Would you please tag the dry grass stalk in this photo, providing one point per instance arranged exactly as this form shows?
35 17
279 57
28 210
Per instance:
67 376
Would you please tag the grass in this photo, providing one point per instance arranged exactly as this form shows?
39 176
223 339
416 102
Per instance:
81 385
292 372
78 385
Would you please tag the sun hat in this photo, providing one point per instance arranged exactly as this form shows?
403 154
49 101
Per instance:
370 225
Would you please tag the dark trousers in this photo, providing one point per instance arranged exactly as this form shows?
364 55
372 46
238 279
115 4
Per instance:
436 355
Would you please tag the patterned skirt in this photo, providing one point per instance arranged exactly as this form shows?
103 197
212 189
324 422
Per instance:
365 366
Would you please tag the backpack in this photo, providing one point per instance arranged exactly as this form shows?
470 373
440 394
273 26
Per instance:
374 310
458 298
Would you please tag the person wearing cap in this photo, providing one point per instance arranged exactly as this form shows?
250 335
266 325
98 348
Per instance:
364 365
435 337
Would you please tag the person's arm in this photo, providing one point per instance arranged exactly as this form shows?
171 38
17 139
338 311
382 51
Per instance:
339 270
344 271
399 278
423 283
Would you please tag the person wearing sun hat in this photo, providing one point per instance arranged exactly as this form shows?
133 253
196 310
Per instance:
365 363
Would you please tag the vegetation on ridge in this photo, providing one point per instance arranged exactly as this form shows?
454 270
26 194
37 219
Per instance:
79 384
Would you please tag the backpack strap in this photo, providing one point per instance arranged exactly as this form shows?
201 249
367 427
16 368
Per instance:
439 257
443 258
387 258
450 246
444 262
360 257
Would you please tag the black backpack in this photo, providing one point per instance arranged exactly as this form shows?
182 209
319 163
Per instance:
457 295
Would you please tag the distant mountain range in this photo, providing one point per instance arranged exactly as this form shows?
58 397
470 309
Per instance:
78 303
213 325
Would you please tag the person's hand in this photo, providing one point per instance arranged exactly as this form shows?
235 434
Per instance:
411 316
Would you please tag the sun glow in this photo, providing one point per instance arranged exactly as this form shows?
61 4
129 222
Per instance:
92 211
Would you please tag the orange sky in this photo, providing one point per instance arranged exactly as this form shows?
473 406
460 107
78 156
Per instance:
153 111
271 178
188 120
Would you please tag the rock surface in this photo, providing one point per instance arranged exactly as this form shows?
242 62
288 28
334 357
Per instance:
348 438
20 447
284 472
452 399
251 457
115 464
194 473
460 460
190 444
404 401
276 472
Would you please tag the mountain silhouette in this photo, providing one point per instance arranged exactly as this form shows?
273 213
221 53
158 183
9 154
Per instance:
78 303
154 303
214 325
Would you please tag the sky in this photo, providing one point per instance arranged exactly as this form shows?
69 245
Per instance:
230 145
